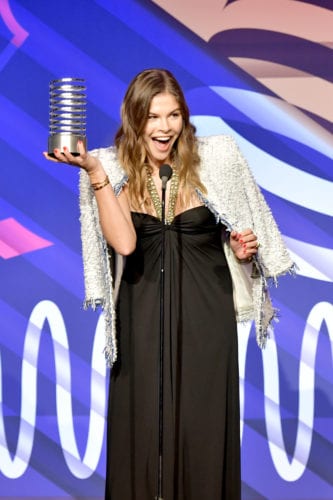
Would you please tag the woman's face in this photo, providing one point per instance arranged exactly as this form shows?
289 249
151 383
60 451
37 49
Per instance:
163 127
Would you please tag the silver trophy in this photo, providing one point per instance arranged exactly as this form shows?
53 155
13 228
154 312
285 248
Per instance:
67 117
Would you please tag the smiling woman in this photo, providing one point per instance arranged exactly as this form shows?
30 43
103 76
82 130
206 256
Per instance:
156 129
194 450
261 72
163 127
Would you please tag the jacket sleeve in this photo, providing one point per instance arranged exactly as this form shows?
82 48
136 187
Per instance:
98 279
273 255
236 199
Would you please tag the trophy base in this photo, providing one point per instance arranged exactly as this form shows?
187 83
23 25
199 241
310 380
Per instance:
61 140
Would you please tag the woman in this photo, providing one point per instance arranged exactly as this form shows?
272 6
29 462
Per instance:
215 218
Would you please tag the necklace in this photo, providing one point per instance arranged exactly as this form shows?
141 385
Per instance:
156 199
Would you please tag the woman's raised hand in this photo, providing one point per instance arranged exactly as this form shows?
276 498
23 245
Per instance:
84 160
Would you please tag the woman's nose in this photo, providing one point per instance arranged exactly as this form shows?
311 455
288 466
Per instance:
164 124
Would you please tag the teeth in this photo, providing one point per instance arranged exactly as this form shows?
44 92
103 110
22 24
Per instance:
162 139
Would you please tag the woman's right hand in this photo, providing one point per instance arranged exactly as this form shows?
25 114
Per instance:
84 160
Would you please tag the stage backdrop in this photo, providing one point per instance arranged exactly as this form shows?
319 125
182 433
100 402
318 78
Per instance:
258 69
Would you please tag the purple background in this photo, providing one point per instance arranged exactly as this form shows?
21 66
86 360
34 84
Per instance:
53 377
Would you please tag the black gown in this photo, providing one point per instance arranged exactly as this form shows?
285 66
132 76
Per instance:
201 450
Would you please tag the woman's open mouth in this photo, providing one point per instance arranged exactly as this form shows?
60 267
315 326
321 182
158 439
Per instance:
162 143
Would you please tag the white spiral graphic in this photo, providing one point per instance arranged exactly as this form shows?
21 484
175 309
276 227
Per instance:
80 468
294 469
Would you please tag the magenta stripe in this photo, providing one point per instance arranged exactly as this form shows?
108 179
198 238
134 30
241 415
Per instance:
15 239
20 34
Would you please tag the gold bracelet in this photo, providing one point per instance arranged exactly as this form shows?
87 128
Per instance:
99 185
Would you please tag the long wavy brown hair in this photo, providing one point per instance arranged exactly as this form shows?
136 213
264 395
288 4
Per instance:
129 138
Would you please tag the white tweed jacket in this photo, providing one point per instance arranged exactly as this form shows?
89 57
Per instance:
236 201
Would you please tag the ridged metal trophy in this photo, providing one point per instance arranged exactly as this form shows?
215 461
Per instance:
67 114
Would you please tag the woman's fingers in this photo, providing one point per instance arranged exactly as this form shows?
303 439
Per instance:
249 243
65 156
83 160
248 236
57 156
80 148
49 158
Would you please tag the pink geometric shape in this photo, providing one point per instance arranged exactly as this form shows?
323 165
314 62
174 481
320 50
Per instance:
20 34
15 239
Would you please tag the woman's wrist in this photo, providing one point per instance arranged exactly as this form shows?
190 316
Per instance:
97 175
246 260
100 185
